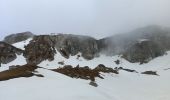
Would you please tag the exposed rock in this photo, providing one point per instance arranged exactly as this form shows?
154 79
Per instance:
92 83
18 37
39 75
19 71
84 72
143 52
61 62
39 49
121 43
150 72
102 68
44 47
13 67
128 70
79 72
117 62
8 52
73 44
67 67
78 56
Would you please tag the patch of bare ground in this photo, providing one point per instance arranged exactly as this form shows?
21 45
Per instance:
150 73
19 71
125 69
84 72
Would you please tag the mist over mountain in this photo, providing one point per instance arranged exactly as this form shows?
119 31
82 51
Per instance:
96 18
84 49
140 45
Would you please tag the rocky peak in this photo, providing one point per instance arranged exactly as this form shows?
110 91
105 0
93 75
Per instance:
18 37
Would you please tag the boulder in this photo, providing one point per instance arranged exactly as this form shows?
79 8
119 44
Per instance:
92 83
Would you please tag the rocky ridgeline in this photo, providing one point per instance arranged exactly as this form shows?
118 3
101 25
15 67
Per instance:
18 37
43 47
8 53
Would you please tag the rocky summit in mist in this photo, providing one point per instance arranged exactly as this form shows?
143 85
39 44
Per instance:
125 66
140 45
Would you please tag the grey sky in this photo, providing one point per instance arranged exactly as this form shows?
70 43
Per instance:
96 18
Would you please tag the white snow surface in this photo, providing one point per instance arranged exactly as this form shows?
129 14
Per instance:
22 44
123 86
20 60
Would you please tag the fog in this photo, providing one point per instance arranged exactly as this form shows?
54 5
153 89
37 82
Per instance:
97 18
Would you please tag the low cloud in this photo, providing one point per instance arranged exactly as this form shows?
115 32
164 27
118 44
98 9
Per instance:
97 18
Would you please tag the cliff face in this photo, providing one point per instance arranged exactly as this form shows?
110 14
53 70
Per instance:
18 37
134 50
39 49
120 43
44 47
73 44
143 52
8 53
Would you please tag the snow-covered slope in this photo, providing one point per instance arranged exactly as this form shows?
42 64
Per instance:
20 60
22 44
123 86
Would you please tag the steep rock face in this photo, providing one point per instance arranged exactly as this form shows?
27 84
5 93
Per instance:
143 51
8 52
18 37
39 49
43 47
120 43
73 44
128 44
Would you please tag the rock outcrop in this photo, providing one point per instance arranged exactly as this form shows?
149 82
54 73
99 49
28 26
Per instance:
39 49
73 44
150 73
85 72
18 37
143 52
18 71
44 47
8 52
128 44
